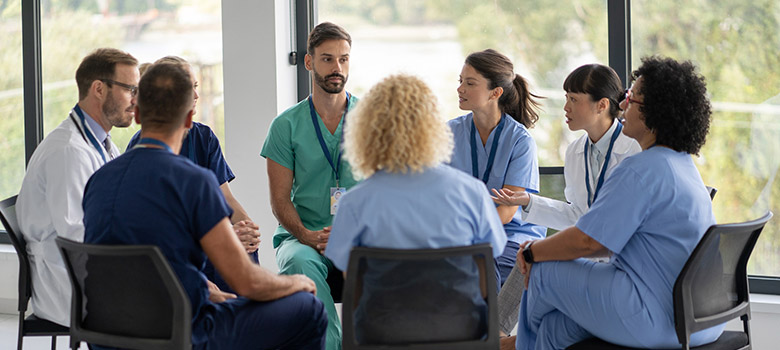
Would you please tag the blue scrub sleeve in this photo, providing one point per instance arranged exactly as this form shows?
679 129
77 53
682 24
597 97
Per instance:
278 143
208 203
523 168
215 160
490 229
620 209
345 233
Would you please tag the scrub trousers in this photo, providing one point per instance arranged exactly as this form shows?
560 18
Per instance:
211 273
568 301
295 322
294 257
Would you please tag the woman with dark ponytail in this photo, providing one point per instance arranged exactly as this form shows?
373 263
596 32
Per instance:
492 142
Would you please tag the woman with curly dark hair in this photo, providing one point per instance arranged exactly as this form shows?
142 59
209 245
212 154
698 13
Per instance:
650 214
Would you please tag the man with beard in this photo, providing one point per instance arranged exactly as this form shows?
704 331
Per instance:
49 202
306 170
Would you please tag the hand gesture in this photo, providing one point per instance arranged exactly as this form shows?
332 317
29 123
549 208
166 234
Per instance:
216 295
316 239
505 196
301 283
248 234
525 267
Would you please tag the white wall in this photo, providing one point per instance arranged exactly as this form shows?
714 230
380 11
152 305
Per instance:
259 84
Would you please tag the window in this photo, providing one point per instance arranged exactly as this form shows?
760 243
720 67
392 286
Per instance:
431 39
736 46
148 30
11 100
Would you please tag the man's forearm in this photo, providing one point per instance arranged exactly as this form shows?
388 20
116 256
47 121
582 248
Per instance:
268 286
288 217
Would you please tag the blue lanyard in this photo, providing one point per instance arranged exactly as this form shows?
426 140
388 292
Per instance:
146 141
491 157
600 181
89 135
322 141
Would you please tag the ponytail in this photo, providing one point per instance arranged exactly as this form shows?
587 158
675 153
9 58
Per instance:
516 100
520 103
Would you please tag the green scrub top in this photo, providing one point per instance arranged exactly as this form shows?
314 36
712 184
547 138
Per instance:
292 142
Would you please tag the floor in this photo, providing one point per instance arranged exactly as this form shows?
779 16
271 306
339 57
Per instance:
9 333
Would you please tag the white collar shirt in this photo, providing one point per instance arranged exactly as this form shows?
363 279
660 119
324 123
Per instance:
49 205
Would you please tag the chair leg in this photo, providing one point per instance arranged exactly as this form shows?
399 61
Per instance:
53 342
21 332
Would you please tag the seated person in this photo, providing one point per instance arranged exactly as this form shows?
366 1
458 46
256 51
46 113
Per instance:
410 199
650 214
150 195
201 146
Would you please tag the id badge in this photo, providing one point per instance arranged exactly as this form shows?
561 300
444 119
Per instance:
335 195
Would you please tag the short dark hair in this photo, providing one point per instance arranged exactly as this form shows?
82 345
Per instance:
165 96
100 64
675 104
323 32
598 81
517 100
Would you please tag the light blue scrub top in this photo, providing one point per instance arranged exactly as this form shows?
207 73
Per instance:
440 207
651 214
515 164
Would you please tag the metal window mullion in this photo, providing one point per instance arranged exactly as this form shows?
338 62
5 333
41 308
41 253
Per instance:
305 19
32 76
619 38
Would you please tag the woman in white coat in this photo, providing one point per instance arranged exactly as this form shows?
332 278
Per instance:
593 93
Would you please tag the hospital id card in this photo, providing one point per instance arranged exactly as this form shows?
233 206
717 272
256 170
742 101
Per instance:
335 195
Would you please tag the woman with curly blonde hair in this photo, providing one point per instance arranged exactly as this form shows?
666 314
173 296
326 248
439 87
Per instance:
396 140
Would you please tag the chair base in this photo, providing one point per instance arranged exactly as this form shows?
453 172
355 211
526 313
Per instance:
729 340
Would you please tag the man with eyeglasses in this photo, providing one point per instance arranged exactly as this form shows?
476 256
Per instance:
49 202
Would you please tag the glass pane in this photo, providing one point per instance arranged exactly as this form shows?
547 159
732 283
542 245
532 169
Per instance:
736 45
545 39
11 100
148 30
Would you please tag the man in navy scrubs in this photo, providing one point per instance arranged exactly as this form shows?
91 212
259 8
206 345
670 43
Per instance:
150 195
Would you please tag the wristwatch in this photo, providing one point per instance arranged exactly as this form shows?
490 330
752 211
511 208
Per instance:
528 256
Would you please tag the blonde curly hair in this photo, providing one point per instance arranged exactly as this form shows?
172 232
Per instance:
396 127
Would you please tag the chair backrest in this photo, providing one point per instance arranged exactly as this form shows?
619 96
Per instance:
552 184
712 287
420 299
712 191
125 296
8 217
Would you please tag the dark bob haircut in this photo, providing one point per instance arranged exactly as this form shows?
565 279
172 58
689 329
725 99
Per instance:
676 106
598 81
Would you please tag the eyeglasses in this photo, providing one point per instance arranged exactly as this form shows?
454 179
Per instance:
629 100
133 89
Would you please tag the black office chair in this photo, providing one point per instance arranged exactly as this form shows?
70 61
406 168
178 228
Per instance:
31 326
712 191
125 296
712 288
420 299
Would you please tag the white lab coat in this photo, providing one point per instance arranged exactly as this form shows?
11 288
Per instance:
49 205
559 215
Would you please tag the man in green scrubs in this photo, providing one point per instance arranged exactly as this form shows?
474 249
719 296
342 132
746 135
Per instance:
305 171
